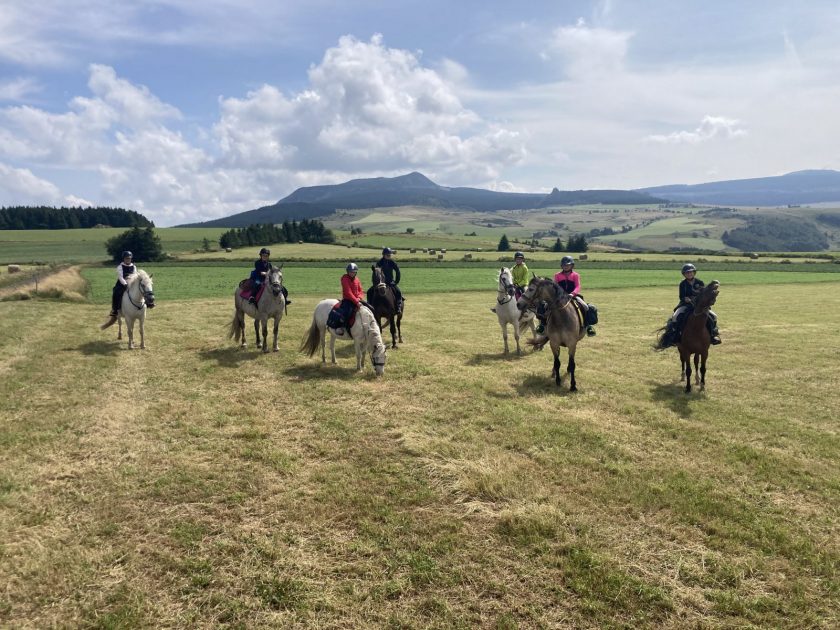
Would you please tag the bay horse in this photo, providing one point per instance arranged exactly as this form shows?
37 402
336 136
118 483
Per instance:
563 326
271 304
138 296
508 313
383 299
364 333
695 339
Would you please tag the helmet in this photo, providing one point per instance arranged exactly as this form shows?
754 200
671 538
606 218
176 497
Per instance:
352 267
567 260
688 267
387 250
265 250
518 255
127 254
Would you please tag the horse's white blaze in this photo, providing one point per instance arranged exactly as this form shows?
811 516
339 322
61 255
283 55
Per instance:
364 333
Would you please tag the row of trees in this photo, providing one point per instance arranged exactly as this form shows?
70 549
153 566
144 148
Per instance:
776 234
576 243
307 230
47 218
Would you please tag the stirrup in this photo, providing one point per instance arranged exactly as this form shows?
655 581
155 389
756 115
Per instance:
540 329
590 331
715 341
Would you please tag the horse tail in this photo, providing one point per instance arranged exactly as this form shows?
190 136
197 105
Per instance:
662 342
538 343
111 321
312 341
235 326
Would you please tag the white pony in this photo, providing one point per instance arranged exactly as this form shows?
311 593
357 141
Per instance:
364 332
271 304
508 313
139 294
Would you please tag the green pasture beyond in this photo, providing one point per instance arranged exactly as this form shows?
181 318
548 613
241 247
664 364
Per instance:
213 281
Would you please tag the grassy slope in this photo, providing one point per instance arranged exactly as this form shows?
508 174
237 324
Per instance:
213 486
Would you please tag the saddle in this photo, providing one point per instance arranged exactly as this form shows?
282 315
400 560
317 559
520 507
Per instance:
245 288
335 319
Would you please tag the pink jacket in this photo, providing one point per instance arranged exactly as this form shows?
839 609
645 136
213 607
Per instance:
569 281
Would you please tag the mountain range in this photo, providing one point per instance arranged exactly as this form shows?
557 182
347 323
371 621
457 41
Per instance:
415 189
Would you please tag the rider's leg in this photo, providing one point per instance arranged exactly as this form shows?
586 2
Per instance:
541 308
399 298
711 322
255 288
116 298
286 295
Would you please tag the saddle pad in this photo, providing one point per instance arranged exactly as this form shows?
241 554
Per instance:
349 324
245 289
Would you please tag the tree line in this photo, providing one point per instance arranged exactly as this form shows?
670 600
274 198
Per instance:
48 218
776 234
307 230
576 243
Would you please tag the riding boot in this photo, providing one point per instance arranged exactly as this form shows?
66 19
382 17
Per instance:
286 295
590 331
715 334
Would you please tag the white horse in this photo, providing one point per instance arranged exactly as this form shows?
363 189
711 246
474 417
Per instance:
508 313
272 303
139 294
364 332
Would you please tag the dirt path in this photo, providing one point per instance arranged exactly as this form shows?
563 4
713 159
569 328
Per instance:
66 282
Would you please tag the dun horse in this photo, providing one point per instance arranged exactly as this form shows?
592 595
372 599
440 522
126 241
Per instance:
695 339
508 313
384 302
271 304
139 294
364 332
563 326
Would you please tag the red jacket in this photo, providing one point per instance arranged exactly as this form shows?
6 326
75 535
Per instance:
351 289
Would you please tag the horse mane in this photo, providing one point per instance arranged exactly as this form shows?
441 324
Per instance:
137 276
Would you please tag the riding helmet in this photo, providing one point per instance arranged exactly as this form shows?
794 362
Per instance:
387 250
518 255
688 267
127 254
567 260
265 250
352 267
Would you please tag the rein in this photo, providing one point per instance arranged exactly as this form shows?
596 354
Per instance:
143 293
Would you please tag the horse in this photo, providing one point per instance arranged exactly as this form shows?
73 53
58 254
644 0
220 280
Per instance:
564 322
383 299
271 304
508 313
695 339
139 294
364 332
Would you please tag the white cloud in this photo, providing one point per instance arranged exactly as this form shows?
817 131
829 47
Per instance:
18 89
589 51
20 186
710 127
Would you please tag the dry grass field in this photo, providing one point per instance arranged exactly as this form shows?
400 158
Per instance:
197 485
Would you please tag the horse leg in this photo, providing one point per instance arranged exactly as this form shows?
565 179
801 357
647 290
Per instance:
119 326
360 356
555 372
687 363
142 331
332 347
129 328
276 332
393 327
697 369
264 323
257 331
399 330
516 338
703 370
505 335
571 370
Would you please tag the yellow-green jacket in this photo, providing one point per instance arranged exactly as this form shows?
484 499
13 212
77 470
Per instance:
520 275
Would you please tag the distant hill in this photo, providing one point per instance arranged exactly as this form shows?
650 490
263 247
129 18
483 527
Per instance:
801 187
413 189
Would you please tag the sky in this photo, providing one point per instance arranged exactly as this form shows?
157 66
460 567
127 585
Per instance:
188 110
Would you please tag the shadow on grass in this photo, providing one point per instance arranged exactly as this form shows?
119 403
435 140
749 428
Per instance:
231 357
674 396
101 348
328 370
491 357
543 385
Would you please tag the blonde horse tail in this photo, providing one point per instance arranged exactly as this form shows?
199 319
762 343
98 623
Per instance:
111 321
538 343
235 326
312 340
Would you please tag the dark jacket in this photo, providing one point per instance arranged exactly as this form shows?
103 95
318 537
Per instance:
689 290
390 270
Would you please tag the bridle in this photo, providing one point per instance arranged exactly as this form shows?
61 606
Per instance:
506 290
146 296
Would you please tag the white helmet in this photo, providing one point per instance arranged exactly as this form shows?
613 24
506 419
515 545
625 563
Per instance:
352 267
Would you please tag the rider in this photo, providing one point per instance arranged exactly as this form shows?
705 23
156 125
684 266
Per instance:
391 272
259 275
124 269
569 281
690 287
351 293
520 276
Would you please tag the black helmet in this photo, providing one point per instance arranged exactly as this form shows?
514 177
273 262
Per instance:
688 267
265 250
518 255
567 260
127 254
387 250
352 267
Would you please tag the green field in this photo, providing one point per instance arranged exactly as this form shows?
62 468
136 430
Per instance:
199 485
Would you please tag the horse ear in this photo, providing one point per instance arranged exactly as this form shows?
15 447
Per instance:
281 266
373 267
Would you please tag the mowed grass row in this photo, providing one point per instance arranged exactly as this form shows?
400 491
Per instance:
195 484
197 282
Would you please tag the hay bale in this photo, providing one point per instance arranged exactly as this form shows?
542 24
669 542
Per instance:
442 251
583 257
14 268
228 249
440 256
432 252
412 250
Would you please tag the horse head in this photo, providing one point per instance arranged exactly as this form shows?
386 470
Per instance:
275 280
146 288
379 280
707 297
506 282
540 290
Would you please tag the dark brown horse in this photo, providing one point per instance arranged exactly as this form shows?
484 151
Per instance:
563 324
383 301
695 339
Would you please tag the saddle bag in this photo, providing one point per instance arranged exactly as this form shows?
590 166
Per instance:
335 319
591 315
